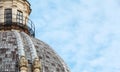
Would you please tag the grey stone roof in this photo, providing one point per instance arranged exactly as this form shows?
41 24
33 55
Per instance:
13 44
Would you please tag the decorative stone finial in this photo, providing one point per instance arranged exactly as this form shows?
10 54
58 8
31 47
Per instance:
23 64
36 65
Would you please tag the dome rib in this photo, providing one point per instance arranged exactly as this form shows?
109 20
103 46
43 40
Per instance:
31 46
19 44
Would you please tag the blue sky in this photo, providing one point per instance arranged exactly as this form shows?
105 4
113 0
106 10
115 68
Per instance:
85 33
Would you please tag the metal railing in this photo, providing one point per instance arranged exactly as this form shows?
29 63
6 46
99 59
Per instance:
26 23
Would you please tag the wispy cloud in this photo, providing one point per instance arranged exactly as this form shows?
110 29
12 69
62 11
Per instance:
85 33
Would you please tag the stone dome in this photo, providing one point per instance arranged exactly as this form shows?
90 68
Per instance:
11 43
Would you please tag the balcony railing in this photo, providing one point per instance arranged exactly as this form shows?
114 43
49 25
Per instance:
13 23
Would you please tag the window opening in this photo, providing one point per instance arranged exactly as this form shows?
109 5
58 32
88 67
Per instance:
19 17
8 16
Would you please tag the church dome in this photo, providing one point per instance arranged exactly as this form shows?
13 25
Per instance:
15 44
20 51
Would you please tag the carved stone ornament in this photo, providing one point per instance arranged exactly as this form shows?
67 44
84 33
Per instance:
36 65
23 64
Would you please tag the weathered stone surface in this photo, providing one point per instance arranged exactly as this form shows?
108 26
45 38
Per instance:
9 54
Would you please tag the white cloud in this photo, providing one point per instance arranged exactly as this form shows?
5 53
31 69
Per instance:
85 33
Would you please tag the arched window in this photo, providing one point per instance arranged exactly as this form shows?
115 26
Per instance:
19 17
8 16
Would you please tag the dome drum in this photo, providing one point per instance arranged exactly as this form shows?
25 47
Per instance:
14 23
